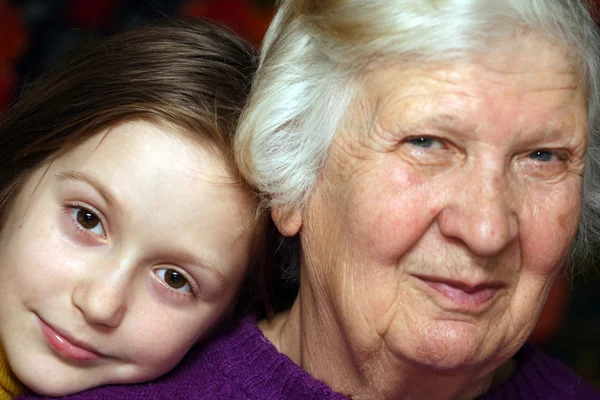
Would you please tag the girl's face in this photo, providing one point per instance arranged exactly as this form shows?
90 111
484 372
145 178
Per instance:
117 258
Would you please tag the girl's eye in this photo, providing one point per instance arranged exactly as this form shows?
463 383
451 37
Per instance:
174 279
426 142
542 155
88 220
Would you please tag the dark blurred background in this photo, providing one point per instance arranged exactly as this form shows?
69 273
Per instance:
33 33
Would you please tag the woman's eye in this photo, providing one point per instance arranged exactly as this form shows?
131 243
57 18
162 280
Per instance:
426 142
88 220
174 279
542 155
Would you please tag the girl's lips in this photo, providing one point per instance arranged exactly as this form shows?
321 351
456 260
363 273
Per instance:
64 347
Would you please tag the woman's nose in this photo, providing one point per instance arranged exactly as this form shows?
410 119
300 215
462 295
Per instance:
103 301
480 212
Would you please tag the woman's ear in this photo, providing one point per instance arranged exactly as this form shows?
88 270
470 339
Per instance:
288 222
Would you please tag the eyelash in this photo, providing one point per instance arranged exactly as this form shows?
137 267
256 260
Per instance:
560 154
194 292
68 209
416 140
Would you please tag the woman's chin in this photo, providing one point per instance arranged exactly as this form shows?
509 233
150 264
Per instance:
444 346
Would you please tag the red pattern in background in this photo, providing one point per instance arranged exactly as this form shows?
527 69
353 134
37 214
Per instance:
244 16
14 44
95 15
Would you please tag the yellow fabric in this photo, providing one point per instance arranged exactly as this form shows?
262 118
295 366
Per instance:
9 385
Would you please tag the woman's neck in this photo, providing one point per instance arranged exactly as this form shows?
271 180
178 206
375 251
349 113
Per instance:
9 385
312 337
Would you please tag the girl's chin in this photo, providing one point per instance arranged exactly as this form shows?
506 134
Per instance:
47 377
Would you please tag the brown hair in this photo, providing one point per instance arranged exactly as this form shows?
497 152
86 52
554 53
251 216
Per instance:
193 75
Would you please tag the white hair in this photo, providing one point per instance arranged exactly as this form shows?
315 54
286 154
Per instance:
315 50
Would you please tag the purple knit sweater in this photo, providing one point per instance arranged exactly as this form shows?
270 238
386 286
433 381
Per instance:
242 364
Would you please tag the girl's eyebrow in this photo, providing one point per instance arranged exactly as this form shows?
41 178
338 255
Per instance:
93 182
205 263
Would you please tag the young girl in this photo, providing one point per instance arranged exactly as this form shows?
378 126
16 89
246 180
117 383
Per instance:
126 231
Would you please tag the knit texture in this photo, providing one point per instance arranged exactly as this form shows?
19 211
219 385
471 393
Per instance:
541 377
9 385
240 363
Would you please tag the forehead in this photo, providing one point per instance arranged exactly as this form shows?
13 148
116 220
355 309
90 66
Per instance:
528 76
159 154
149 147
521 60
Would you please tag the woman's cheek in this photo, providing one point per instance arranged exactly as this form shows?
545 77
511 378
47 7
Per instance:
393 209
548 224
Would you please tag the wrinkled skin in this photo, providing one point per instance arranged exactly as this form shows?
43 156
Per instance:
447 206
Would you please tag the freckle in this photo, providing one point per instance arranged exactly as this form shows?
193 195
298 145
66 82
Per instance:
20 226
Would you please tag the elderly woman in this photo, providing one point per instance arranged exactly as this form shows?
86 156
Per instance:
436 162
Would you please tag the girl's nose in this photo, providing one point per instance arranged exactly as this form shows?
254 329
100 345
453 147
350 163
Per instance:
103 301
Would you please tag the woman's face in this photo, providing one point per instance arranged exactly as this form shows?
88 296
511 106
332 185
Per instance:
447 206
117 258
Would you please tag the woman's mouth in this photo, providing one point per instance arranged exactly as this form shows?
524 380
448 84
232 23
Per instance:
464 295
69 349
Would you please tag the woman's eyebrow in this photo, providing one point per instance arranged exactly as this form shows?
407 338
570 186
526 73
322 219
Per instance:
448 121
91 181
